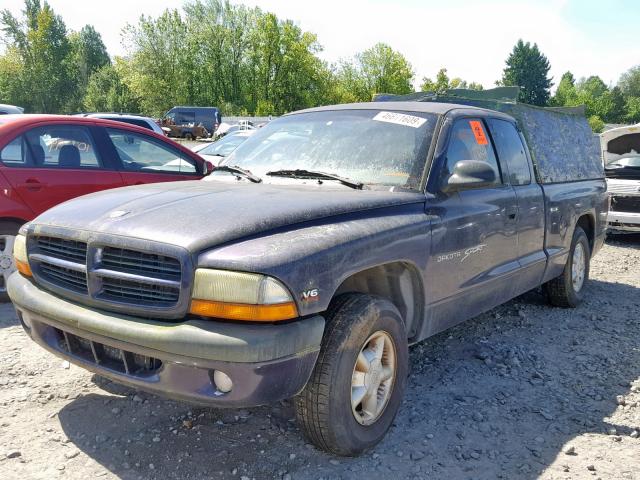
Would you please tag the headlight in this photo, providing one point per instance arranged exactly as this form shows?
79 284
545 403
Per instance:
241 296
20 255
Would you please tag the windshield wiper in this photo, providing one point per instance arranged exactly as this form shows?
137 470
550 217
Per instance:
238 171
315 175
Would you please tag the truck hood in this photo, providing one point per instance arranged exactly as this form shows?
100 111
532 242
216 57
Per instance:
199 214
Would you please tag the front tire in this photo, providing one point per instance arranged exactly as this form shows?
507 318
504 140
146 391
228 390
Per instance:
358 382
567 290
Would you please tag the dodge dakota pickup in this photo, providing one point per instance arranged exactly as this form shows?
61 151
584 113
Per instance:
305 265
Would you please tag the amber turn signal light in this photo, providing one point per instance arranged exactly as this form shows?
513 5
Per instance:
24 268
242 311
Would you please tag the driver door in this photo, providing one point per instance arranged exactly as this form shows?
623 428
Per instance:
474 237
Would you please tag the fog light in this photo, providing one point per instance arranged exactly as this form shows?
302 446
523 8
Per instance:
223 381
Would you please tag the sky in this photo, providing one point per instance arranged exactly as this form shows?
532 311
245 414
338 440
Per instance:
470 38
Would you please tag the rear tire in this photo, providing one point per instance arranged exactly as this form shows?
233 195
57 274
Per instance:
359 379
8 232
567 289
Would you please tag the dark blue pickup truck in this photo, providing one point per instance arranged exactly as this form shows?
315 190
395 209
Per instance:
306 264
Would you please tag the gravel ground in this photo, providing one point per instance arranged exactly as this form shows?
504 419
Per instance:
524 391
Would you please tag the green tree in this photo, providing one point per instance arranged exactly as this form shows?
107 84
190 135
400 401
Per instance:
107 92
216 53
566 92
40 41
90 53
597 124
12 90
443 83
385 71
528 68
440 85
629 82
378 69
632 110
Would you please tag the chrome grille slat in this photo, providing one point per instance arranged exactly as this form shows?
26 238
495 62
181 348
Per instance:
139 291
109 275
64 249
68 277
140 262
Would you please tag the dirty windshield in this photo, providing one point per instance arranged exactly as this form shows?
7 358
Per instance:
374 147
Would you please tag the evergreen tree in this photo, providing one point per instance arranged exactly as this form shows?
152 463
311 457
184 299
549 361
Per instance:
528 68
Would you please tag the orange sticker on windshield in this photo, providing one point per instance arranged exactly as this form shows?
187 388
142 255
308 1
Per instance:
478 132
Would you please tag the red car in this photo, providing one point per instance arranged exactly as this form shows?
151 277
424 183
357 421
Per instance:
47 159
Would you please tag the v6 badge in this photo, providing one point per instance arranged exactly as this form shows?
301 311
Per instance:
312 295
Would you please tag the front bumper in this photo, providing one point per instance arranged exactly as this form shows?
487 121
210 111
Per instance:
625 221
266 363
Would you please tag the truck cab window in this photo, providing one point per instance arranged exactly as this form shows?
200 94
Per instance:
469 141
511 151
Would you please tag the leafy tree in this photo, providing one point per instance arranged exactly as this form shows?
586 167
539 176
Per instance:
90 53
379 69
528 68
443 83
216 53
597 124
12 90
107 92
630 82
632 110
566 91
385 70
40 41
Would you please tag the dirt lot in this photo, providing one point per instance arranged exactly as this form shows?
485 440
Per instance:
525 391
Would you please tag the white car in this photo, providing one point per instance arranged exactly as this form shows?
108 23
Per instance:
216 151
10 109
144 122
621 156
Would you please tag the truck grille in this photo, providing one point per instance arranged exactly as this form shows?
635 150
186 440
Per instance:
625 204
141 263
107 356
126 290
65 276
141 281
64 249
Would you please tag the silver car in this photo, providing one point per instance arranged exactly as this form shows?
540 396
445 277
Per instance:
144 122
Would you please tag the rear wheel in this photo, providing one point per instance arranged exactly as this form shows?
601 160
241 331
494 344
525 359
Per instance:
567 289
8 234
359 379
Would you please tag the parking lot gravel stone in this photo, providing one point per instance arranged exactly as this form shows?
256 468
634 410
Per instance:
523 391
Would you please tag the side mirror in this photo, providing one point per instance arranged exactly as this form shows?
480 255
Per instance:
469 174
208 167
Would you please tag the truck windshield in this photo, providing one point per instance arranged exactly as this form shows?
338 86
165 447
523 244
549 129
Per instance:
374 147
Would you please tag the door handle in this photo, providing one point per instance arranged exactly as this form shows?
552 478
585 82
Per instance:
32 184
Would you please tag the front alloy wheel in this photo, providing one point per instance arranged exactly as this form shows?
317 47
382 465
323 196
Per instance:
373 377
358 381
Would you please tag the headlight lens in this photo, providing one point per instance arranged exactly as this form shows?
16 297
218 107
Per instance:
20 255
241 296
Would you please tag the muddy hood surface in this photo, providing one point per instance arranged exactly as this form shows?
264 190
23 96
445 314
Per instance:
201 214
